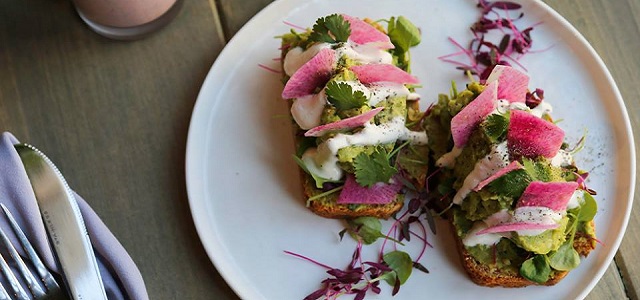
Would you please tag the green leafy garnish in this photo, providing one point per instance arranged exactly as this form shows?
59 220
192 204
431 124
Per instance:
401 264
319 180
367 229
511 184
331 29
374 168
536 269
403 33
343 97
588 209
537 171
565 258
495 127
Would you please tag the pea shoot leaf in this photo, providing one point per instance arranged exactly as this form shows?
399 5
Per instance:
565 258
495 127
401 264
536 269
331 29
403 33
588 209
367 230
343 97
511 184
374 168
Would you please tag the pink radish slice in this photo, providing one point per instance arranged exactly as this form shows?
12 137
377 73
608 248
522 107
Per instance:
313 74
373 73
506 227
514 165
363 33
380 193
468 119
531 136
513 83
348 123
554 195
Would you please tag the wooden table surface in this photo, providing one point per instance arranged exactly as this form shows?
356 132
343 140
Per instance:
114 116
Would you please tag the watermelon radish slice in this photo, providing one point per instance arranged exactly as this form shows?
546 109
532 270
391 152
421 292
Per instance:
468 119
348 123
354 193
506 227
363 33
513 83
554 195
313 74
531 136
372 73
514 165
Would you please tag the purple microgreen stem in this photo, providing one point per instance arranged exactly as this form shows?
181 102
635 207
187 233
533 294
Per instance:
294 25
272 70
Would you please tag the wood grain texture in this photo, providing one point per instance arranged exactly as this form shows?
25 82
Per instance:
234 14
114 116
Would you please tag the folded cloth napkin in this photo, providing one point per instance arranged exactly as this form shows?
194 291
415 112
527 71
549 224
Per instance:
120 275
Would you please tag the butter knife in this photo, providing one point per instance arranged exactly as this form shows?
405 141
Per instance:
64 223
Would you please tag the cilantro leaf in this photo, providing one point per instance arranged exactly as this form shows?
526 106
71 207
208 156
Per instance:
331 29
319 180
374 168
403 33
495 127
342 96
511 184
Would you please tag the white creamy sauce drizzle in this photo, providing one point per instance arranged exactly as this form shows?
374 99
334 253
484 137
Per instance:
473 239
365 54
323 161
562 159
529 214
576 199
448 160
497 159
538 215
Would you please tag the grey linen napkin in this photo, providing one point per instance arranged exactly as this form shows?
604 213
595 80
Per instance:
120 275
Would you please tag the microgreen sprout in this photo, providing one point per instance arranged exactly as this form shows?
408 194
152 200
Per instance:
481 53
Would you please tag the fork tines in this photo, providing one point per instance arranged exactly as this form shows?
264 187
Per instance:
34 287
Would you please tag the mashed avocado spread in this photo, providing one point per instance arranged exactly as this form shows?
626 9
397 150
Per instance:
509 251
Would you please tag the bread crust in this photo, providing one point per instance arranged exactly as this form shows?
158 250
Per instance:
485 275
334 210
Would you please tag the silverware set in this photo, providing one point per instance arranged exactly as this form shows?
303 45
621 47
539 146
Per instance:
40 283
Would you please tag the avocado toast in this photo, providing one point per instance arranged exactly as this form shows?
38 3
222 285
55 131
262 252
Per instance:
355 114
521 212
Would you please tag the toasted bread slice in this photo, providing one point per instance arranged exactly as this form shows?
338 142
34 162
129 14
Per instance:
492 276
329 208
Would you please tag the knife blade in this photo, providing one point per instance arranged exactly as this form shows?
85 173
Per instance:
65 226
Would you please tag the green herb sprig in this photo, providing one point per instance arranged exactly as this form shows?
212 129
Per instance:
331 29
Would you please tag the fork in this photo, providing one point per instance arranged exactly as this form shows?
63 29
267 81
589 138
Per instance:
51 288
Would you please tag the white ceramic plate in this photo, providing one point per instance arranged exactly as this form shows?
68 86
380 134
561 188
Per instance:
243 186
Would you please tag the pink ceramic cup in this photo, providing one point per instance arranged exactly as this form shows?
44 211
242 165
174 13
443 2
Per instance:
127 19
